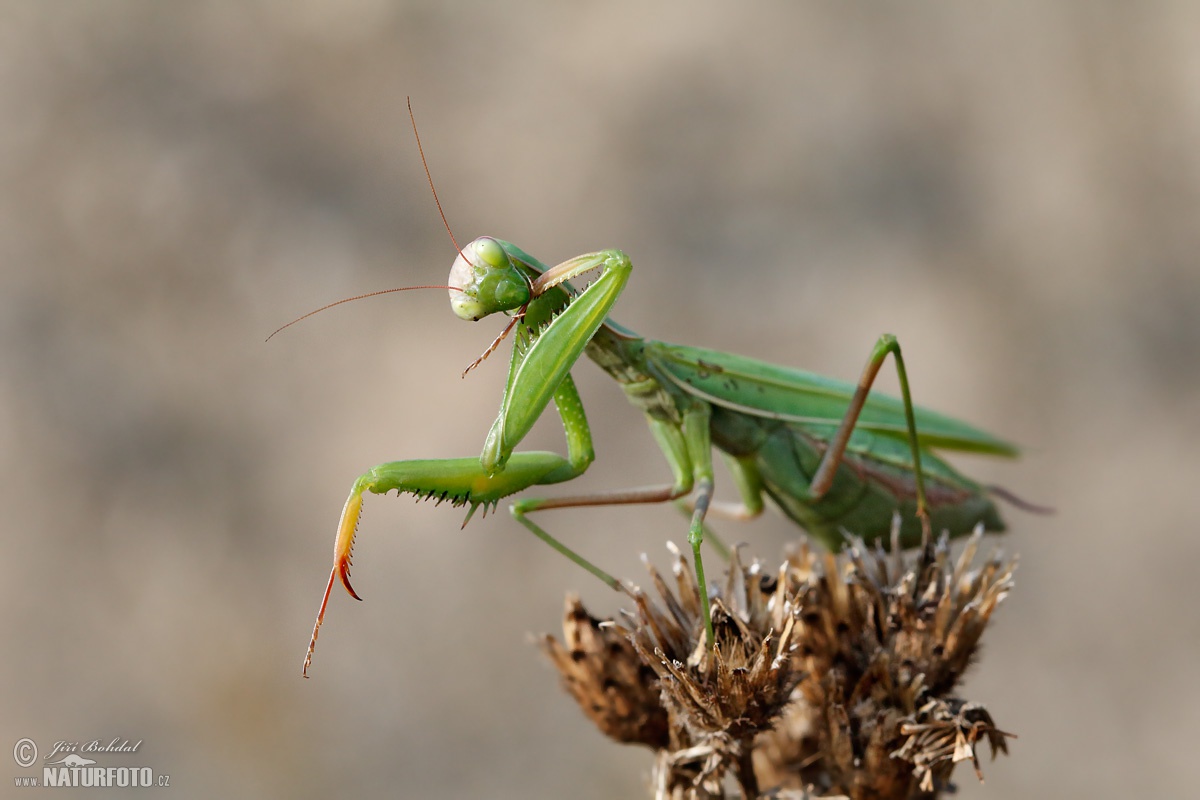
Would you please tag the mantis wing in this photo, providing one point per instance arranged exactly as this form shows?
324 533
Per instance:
768 391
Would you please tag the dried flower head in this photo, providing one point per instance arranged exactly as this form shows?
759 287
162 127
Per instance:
830 677
883 641
616 689
718 700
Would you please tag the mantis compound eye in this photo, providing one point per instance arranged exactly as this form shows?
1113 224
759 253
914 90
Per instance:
485 281
490 253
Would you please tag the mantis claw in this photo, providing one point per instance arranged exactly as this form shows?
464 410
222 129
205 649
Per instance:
342 548
344 544
341 569
343 572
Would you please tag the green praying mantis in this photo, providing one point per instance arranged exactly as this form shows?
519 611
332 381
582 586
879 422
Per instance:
833 456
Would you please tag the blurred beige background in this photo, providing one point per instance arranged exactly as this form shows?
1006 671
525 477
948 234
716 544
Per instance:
1014 192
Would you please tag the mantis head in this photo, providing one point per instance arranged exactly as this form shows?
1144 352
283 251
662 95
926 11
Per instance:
485 280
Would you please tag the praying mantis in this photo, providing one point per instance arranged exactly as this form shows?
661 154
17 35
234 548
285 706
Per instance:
834 457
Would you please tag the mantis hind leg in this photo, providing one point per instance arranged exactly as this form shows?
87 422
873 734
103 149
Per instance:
823 478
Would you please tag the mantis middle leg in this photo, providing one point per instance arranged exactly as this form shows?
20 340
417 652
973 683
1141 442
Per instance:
688 449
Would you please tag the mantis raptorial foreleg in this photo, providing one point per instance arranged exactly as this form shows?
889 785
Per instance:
465 482
461 481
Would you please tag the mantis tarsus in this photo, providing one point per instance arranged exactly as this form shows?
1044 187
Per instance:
833 456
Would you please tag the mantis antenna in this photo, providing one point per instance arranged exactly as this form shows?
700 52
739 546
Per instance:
495 342
412 118
357 297
428 177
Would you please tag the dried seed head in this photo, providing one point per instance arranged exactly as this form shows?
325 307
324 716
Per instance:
719 700
883 641
736 689
833 675
616 689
